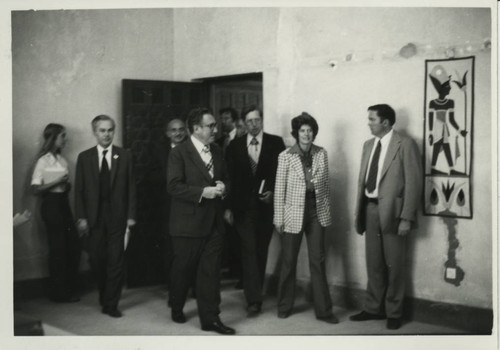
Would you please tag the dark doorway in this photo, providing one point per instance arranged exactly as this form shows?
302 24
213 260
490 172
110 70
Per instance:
147 106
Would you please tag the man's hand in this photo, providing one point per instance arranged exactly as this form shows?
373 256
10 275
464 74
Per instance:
212 192
279 228
266 197
221 186
83 227
404 227
228 216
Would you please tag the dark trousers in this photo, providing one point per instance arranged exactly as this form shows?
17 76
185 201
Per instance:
199 259
290 245
385 264
255 228
106 257
64 247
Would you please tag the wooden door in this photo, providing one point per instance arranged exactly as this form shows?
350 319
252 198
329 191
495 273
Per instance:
147 105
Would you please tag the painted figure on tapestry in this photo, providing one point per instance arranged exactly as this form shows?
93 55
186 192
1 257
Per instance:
441 117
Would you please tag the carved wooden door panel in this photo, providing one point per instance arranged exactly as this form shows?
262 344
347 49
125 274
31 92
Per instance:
147 105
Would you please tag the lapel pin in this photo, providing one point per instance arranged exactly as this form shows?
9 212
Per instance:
115 156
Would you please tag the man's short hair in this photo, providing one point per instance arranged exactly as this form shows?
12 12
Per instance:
195 117
384 111
100 118
231 111
249 109
170 120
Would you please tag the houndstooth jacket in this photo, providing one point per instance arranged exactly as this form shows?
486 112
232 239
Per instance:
290 189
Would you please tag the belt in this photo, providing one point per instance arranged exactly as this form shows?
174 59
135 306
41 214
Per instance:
372 200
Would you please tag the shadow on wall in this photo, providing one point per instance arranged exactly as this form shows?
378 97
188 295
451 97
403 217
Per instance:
337 240
421 229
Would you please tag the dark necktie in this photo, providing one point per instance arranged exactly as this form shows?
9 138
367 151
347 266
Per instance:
104 179
371 182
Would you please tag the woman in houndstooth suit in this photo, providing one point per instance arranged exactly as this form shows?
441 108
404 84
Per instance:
302 206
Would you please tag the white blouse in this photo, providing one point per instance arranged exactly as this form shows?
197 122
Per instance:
47 169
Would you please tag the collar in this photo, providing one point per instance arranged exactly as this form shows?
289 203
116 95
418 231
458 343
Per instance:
385 139
295 149
232 134
100 149
258 138
197 144
51 158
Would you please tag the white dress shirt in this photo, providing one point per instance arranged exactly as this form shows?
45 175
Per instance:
108 155
384 143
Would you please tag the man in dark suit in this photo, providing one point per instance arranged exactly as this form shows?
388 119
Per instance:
196 178
105 208
252 162
389 191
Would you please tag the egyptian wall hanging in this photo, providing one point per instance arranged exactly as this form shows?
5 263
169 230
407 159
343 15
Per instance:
449 107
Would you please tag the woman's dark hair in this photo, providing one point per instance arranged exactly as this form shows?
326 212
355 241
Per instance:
304 119
50 134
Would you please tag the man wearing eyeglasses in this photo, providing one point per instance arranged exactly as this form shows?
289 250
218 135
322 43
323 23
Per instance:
196 180
252 162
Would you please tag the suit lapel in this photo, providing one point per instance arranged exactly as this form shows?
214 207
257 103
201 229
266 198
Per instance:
366 158
94 164
200 164
114 164
391 153
314 154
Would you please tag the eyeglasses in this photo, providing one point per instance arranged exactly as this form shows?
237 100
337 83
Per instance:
210 126
254 121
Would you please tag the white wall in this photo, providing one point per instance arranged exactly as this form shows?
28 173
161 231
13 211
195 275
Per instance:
67 68
293 55
71 77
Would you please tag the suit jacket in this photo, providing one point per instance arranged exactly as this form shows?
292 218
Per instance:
290 189
400 184
190 214
123 193
244 184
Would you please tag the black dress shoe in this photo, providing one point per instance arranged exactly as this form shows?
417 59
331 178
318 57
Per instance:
219 327
239 284
253 310
329 319
393 323
178 316
283 314
366 316
112 311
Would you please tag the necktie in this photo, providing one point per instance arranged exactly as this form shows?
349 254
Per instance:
371 182
209 161
253 155
104 178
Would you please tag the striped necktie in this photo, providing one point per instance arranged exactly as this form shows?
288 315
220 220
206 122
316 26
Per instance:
253 154
209 161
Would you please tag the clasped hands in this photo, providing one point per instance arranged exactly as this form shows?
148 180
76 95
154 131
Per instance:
211 192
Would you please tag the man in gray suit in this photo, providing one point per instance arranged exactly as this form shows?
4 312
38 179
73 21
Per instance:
105 208
389 190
